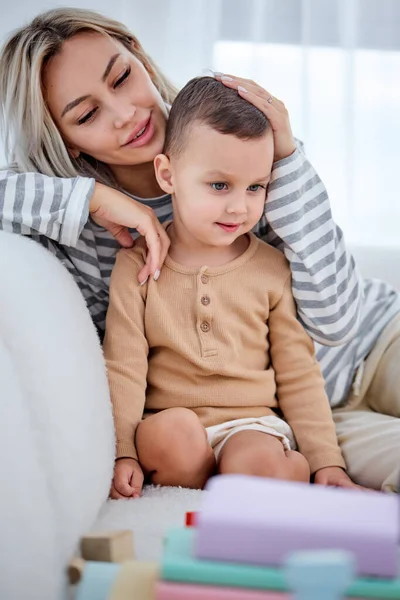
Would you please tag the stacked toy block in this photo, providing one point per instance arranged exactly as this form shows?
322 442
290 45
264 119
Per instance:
107 570
259 539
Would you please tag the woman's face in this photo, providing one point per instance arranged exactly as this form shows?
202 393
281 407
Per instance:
103 101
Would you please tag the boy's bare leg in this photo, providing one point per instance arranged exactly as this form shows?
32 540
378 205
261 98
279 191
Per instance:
173 449
256 453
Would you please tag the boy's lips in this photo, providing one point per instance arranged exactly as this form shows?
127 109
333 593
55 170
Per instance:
229 227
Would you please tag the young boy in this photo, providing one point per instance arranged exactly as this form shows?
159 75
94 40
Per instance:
209 369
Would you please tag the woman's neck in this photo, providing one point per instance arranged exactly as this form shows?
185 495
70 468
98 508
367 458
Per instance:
138 180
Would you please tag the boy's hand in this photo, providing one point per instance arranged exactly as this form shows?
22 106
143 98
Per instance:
335 477
128 479
273 109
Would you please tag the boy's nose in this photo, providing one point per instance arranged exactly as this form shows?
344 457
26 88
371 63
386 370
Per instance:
237 205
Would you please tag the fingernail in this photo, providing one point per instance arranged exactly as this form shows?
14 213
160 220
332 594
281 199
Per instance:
143 282
242 89
226 78
156 274
218 74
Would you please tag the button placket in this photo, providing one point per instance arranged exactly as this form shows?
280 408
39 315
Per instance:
204 316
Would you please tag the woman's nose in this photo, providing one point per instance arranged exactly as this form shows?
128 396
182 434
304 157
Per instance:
124 113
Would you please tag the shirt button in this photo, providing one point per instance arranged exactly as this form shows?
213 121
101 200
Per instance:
205 326
205 300
204 279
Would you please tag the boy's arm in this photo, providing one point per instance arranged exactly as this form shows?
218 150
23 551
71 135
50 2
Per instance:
300 386
126 351
298 221
55 207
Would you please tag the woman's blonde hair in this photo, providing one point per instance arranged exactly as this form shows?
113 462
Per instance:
32 140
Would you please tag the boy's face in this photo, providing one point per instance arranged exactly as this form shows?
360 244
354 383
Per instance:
218 183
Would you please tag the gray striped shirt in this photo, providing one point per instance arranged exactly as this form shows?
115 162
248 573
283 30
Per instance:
334 307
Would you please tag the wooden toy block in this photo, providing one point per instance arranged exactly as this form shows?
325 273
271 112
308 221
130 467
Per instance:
112 546
135 580
323 574
179 565
190 519
75 570
259 521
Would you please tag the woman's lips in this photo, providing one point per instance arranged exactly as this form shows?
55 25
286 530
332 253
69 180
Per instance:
144 138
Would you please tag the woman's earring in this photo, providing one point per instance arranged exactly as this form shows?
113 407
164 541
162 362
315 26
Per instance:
73 153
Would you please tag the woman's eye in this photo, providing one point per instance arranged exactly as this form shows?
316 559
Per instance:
255 187
88 117
218 186
124 76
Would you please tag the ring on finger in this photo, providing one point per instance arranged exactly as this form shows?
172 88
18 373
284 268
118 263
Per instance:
269 100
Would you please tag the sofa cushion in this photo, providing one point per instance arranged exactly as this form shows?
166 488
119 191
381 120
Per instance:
56 430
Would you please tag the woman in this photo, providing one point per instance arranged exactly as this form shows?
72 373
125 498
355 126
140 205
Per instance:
84 112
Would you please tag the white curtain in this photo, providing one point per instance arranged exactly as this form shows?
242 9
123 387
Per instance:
335 64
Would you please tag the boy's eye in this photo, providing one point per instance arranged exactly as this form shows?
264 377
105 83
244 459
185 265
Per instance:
255 187
218 186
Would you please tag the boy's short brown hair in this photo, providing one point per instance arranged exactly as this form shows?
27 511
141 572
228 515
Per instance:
208 101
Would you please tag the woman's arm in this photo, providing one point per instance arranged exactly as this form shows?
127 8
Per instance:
51 206
59 208
325 281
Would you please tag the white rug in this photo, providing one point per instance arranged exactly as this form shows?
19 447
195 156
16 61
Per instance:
149 517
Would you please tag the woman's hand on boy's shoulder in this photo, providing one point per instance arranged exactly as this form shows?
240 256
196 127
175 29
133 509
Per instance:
335 477
128 479
117 212
274 109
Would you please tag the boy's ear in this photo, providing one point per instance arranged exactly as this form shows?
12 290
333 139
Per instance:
162 168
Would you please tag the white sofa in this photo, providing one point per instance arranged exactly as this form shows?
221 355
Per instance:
56 431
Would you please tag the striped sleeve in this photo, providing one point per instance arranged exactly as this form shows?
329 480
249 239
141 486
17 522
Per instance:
325 282
31 203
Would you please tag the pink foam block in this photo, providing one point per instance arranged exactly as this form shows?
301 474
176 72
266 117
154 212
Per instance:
259 521
177 591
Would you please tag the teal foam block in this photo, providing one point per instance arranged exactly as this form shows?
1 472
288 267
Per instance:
97 580
178 564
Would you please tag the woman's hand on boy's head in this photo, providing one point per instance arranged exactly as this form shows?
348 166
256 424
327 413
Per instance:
128 479
335 477
273 109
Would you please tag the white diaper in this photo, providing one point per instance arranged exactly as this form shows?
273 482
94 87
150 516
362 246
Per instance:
219 434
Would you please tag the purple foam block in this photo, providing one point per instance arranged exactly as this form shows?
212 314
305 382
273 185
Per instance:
260 521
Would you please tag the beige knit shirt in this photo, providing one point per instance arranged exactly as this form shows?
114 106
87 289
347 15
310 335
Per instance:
222 341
